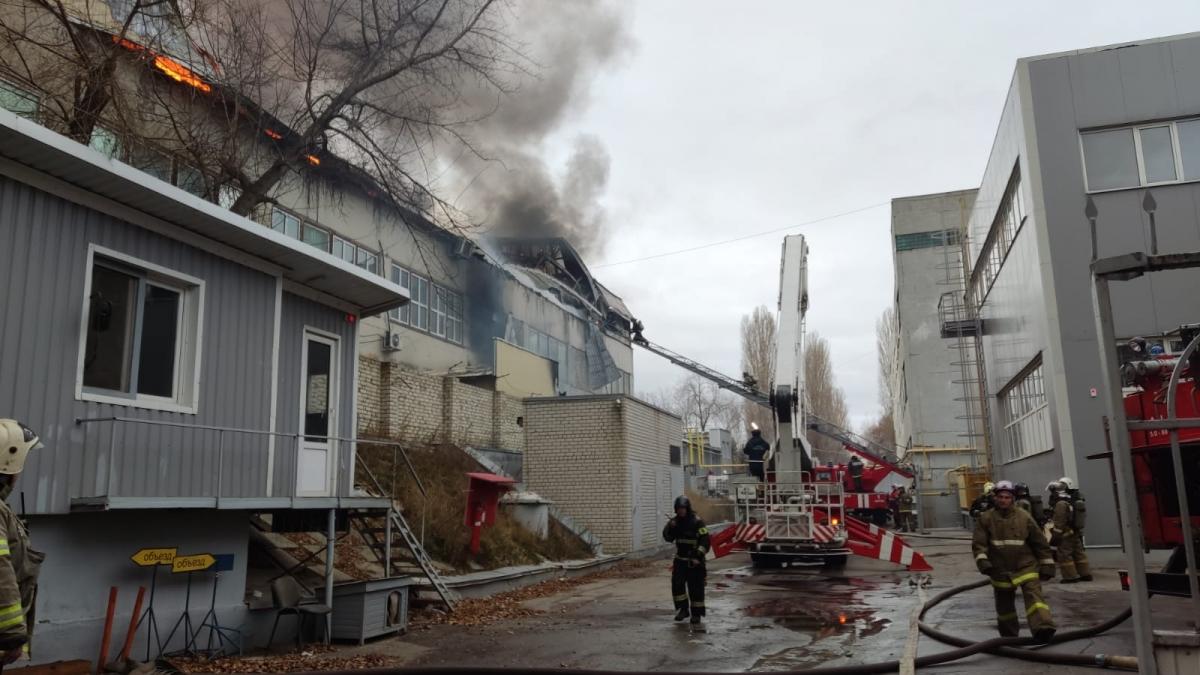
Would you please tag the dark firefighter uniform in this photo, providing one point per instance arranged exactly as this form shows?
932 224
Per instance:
982 504
756 449
1072 559
1011 549
690 537
907 522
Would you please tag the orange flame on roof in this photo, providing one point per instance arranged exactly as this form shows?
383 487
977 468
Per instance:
271 133
313 159
169 67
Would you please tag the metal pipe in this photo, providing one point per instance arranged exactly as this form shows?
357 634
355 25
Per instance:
112 452
1185 515
387 539
220 464
329 553
1131 527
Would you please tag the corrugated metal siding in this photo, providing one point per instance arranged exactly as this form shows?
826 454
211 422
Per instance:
43 257
297 314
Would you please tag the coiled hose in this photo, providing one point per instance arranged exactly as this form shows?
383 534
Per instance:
1001 646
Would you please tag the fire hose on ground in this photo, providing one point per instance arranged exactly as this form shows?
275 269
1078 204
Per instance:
1000 646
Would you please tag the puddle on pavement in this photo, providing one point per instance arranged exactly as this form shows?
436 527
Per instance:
824 606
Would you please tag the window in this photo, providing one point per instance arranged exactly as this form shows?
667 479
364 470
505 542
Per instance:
105 142
355 254
189 178
1110 160
140 340
1025 414
1141 155
285 223
432 308
151 161
1006 224
18 101
917 240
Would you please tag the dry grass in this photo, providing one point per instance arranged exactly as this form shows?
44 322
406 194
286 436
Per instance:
711 509
443 470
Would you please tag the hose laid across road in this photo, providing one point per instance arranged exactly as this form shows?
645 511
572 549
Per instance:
1000 646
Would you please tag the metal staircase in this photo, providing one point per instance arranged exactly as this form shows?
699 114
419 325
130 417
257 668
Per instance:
382 545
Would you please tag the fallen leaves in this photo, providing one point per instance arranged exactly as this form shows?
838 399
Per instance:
310 658
510 605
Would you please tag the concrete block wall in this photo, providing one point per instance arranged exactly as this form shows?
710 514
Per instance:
575 455
469 415
417 407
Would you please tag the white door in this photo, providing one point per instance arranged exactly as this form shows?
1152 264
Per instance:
318 415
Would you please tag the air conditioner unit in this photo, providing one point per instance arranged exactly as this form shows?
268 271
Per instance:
392 341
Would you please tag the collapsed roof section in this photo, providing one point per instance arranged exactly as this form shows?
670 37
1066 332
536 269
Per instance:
559 269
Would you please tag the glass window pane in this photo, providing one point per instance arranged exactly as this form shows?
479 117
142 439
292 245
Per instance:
104 141
316 390
108 354
316 237
189 179
1157 154
1110 160
1189 148
17 101
227 195
159 343
151 161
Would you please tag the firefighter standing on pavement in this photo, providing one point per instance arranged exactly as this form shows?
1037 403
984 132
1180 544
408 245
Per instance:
1067 534
19 563
690 536
1010 549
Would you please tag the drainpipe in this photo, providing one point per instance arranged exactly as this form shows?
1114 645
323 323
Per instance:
329 535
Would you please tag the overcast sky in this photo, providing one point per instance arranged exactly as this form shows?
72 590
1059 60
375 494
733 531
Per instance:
724 119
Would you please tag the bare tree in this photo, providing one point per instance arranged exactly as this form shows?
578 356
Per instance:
825 399
369 89
882 430
758 360
701 404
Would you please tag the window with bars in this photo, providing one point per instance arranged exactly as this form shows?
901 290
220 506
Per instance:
1025 414
1010 215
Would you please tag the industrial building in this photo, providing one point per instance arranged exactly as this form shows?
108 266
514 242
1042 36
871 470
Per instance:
1111 123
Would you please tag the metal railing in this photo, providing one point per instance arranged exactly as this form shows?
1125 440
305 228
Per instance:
223 434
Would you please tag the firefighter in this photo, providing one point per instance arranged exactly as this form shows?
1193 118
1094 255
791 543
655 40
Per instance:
855 465
1067 534
19 562
1010 549
904 500
690 537
756 450
1022 499
983 502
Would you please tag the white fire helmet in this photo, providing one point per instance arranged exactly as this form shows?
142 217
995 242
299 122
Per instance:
16 440
753 426
1067 483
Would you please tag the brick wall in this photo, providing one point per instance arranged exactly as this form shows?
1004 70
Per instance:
416 407
575 455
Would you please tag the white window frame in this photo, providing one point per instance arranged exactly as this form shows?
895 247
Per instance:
189 344
440 305
1136 130
1035 420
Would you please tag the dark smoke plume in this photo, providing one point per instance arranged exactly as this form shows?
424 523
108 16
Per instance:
515 193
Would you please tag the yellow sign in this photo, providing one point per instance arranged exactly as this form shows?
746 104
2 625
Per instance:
149 557
192 563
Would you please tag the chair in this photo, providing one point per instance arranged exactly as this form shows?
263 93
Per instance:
288 597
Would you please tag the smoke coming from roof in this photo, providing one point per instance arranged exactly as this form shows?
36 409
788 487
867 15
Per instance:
569 43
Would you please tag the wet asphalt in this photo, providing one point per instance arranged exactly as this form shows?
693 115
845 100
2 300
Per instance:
774 620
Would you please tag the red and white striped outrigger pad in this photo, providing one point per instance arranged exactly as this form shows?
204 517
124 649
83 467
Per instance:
734 538
872 541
